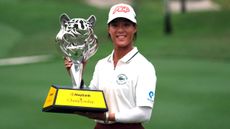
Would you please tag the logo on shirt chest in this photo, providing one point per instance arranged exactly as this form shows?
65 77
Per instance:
121 79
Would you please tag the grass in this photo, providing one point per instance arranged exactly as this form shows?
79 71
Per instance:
192 64
192 94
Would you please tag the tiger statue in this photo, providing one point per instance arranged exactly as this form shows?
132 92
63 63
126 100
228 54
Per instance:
76 37
77 41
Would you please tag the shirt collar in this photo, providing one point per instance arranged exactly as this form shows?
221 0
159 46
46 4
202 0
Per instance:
127 57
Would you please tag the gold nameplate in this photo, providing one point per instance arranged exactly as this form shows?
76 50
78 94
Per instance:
67 100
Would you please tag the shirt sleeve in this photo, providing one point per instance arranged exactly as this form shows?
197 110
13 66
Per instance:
135 115
146 85
94 82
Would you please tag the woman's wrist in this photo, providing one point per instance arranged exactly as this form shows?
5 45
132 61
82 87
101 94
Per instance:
106 117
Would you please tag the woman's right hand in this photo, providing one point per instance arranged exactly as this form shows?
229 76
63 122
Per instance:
68 63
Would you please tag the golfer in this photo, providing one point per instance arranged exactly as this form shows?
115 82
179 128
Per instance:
126 77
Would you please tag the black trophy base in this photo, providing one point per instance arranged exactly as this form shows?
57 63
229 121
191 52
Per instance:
67 100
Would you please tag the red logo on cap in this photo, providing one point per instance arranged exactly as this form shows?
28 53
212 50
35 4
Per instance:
124 9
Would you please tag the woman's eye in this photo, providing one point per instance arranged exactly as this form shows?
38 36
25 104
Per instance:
114 25
127 24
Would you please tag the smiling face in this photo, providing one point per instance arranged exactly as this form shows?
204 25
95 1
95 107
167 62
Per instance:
122 32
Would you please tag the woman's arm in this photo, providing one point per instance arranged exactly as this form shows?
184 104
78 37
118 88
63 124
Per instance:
135 115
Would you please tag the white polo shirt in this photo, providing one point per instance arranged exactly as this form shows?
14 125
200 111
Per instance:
132 83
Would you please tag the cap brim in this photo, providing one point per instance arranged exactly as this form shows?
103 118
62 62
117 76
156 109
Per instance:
113 18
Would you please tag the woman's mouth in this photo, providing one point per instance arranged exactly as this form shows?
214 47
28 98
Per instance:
120 36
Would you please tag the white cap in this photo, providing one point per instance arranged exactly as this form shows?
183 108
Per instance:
122 11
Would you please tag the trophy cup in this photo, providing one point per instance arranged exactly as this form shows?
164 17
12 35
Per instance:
77 42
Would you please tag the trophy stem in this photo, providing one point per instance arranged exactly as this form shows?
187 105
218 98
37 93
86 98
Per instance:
76 75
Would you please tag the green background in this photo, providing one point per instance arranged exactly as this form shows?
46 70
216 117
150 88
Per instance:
192 64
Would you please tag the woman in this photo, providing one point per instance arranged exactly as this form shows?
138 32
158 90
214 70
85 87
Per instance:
126 77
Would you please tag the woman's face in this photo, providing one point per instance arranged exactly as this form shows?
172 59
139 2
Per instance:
122 32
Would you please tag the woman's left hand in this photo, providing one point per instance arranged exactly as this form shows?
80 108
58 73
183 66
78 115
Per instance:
91 115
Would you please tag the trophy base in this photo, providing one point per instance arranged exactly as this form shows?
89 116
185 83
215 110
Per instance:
68 100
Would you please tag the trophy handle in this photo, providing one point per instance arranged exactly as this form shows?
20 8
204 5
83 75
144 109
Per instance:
76 74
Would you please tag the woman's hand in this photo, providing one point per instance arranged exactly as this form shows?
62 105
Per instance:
98 116
68 63
91 115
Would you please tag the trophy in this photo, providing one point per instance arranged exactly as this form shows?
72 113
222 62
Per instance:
77 42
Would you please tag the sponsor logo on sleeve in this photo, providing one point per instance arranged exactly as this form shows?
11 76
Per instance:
151 96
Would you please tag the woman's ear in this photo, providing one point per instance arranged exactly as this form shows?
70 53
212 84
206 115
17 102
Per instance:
108 29
135 26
